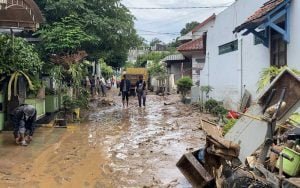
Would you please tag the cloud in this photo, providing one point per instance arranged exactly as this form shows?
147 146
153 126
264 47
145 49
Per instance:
169 21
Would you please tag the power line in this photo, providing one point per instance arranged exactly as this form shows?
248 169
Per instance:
172 8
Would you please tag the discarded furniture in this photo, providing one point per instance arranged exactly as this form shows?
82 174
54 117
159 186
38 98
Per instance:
193 170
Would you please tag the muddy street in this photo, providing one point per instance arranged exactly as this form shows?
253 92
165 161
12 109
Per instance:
116 147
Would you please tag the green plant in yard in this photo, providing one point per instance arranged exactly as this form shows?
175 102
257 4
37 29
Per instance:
268 74
184 85
219 111
106 70
210 104
230 123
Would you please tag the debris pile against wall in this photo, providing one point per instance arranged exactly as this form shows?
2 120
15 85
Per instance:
261 150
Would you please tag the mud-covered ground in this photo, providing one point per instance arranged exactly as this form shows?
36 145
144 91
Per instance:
116 147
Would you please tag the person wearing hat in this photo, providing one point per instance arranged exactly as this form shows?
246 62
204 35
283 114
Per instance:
23 118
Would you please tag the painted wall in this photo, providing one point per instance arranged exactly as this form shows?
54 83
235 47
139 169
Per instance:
203 29
176 70
231 73
293 56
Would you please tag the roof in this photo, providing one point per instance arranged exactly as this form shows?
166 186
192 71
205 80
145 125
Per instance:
188 36
212 17
260 15
195 45
21 14
174 57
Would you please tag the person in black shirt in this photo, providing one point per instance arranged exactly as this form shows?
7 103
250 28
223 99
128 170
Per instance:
124 89
141 91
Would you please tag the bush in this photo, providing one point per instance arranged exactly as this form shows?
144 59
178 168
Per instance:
210 104
219 110
184 85
229 125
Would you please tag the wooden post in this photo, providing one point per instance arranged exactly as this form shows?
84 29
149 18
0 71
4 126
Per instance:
181 69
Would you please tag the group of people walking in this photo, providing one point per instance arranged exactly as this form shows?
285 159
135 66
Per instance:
96 86
140 89
24 116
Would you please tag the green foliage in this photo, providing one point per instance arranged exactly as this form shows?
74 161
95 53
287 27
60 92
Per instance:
184 85
65 37
211 104
106 70
17 55
83 98
230 123
188 27
157 69
109 23
81 101
207 89
129 64
268 74
155 57
219 111
155 41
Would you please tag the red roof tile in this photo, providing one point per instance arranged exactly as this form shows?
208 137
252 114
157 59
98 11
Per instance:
194 45
258 16
212 17
265 9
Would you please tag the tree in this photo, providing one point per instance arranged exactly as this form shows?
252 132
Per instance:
155 57
184 85
18 58
18 55
109 23
155 41
65 37
188 27
106 70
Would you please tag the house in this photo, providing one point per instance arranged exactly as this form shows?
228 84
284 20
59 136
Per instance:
134 53
15 17
194 47
159 47
235 59
177 67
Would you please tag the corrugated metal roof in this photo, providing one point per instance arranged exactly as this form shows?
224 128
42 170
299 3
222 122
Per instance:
21 14
174 57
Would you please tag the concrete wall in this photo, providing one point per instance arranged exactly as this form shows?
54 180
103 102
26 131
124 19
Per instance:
203 29
176 70
229 74
293 56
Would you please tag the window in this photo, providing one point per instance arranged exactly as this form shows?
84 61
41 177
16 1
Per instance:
257 40
229 47
278 50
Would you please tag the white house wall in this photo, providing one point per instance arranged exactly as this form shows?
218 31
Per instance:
223 72
203 29
293 57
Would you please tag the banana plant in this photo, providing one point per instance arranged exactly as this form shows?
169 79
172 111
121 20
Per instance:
14 80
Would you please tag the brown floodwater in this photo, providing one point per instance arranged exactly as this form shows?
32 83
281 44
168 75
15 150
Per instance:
115 147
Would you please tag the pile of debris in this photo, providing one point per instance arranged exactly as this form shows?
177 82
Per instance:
261 150
105 102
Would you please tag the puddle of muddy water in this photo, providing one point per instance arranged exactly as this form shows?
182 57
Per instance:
145 141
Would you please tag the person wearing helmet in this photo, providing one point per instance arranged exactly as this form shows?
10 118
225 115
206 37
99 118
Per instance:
23 118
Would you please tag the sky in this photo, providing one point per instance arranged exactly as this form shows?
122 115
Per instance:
166 24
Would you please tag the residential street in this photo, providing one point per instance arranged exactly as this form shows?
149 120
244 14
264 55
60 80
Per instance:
115 147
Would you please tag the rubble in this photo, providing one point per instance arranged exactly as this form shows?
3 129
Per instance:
262 148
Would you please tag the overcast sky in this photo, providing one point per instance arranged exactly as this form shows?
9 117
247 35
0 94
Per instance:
151 22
